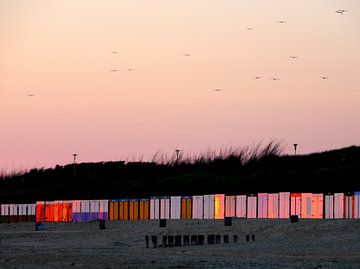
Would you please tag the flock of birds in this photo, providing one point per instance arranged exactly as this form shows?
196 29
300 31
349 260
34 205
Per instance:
187 54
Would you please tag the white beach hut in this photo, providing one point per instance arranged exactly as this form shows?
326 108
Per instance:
198 207
251 207
241 206
273 205
262 205
175 203
230 205
329 206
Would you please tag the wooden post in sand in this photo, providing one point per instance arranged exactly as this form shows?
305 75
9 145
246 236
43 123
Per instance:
217 239
186 240
235 237
201 239
177 240
154 241
147 241
170 240
211 239
194 240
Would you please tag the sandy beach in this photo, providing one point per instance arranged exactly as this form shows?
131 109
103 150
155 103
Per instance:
278 244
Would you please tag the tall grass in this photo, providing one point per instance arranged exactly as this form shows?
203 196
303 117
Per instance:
241 155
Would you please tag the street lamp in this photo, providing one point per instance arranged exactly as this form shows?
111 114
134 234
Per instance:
177 154
295 147
74 155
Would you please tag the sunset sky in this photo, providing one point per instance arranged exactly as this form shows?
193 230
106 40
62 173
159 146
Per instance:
60 51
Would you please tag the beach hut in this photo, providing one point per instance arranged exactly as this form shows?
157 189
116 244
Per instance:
21 212
104 209
144 209
349 206
5 213
134 209
230 206
241 206
186 207
40 211
175 203
154 208
357 205
273 205
123 209
85 210
329 206
295 204
251 206
113 210
284 205
209 206
306 205
339 200
14 213
164 208
197 207
76 210
219 206
33 212
262 205
317 206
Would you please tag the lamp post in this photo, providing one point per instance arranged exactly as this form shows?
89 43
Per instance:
74 155
295 147
177 151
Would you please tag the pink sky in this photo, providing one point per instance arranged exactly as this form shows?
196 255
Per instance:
60 51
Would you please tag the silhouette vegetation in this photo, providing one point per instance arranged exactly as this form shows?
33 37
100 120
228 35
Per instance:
230 171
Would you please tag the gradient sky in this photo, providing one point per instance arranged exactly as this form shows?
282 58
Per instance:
60 51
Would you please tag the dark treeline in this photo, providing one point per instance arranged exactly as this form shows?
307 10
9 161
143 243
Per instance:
232 172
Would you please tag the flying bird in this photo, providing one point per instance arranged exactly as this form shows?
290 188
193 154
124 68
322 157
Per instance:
250 28
131 69
323 77
114 52
341 11
218 90
274 78
114 70
281 21
293 57
187 54
31 95
257 77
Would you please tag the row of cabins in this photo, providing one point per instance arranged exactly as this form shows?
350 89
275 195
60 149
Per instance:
217 206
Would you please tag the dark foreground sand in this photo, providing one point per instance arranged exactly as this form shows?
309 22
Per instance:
279 244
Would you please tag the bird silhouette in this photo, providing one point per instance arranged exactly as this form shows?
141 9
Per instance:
341 11
324 77
218 90
31 95
257 77
130 69
293 57
114 70
274 78
250 28
114 52
281 21
186 54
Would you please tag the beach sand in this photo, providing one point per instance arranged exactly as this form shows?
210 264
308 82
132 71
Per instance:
279 244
